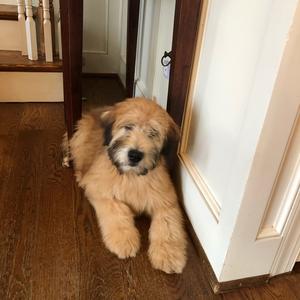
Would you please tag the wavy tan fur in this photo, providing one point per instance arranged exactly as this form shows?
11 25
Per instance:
118 191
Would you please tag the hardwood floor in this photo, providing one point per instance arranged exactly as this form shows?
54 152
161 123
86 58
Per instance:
50 245
101 91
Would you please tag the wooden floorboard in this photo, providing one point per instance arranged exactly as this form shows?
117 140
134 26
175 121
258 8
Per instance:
50 245
101 91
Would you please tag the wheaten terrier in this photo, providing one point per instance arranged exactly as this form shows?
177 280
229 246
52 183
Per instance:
118 154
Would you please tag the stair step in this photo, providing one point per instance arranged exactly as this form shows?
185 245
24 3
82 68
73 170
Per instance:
8 12
13 61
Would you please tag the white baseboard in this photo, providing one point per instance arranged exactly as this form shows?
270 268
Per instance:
122 71
31 87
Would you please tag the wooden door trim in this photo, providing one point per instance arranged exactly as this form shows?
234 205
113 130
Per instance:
186 24
71 13
132 34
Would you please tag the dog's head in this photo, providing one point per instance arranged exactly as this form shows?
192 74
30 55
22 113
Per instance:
136 133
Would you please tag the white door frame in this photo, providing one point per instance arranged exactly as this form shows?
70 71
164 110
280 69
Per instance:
289 248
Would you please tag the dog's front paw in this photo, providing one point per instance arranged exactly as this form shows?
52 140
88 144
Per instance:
168 257
123 242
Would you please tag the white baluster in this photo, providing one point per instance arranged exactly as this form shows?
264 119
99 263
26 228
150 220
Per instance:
30 32
59 36
47 31
21 21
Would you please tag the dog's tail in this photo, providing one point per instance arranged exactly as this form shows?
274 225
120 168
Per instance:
65 151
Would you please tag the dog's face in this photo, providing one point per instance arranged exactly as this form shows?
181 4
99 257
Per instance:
136 132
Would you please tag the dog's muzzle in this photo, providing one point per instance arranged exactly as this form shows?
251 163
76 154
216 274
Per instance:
134 157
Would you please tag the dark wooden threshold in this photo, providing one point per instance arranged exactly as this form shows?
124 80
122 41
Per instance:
226 286
296 268
100 75
13 61
8 12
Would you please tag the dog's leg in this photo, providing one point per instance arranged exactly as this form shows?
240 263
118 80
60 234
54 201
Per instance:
116 222
167 251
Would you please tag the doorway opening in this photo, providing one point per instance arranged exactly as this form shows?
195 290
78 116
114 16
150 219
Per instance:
126 48
174 28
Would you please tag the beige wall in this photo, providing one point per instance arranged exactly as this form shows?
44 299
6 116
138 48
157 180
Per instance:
31 87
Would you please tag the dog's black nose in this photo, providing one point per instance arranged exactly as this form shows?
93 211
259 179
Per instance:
135 156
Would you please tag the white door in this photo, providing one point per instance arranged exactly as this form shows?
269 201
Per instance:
154 38
102 35
239 122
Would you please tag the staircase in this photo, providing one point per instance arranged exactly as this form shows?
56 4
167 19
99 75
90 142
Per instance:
30 64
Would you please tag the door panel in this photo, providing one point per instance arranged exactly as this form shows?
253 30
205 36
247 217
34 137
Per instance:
230 157
147 41
154 38
101 36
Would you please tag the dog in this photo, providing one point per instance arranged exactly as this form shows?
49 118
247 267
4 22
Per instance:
118 154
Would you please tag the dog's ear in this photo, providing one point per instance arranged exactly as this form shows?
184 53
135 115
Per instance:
107 119
171 139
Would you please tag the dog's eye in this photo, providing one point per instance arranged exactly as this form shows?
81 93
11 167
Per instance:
128 127
153 133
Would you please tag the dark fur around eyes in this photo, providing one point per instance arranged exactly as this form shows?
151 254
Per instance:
129 127
107 134
169 150
153 133
113 149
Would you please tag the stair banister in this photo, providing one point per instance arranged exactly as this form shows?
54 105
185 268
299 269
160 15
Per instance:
21 21
30 32
47 31
59 36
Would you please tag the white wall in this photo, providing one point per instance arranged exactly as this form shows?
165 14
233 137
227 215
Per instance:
241 52
9 31
31 87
